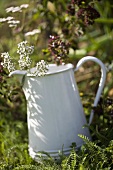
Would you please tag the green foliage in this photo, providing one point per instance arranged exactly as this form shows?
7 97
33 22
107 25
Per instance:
96 157
90 156
70 162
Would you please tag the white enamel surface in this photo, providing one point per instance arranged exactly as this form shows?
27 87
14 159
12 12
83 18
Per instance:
54 111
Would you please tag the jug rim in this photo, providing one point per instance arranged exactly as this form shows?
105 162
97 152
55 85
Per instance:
52 69
55 69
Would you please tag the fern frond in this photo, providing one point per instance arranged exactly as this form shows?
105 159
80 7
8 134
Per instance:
94 153
70 162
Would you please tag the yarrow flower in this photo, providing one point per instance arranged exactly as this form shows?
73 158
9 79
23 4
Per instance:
24 51
33 32
24 62
11 20
13 23
13 9
41 68
7 62
6 19
17 8
24 6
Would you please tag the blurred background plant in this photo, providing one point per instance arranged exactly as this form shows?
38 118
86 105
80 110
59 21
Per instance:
35 21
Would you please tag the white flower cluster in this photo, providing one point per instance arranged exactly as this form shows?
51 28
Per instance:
7 62
24 51
13 23
6 19
41 68
25 61
33 32
17 8
10 20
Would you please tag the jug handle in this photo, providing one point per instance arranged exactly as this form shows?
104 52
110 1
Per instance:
102 79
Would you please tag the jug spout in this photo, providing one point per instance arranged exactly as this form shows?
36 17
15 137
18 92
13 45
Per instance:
19 74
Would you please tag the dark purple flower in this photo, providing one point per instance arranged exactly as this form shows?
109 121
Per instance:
59 49
88 15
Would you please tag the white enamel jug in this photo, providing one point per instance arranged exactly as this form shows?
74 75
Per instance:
54 111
